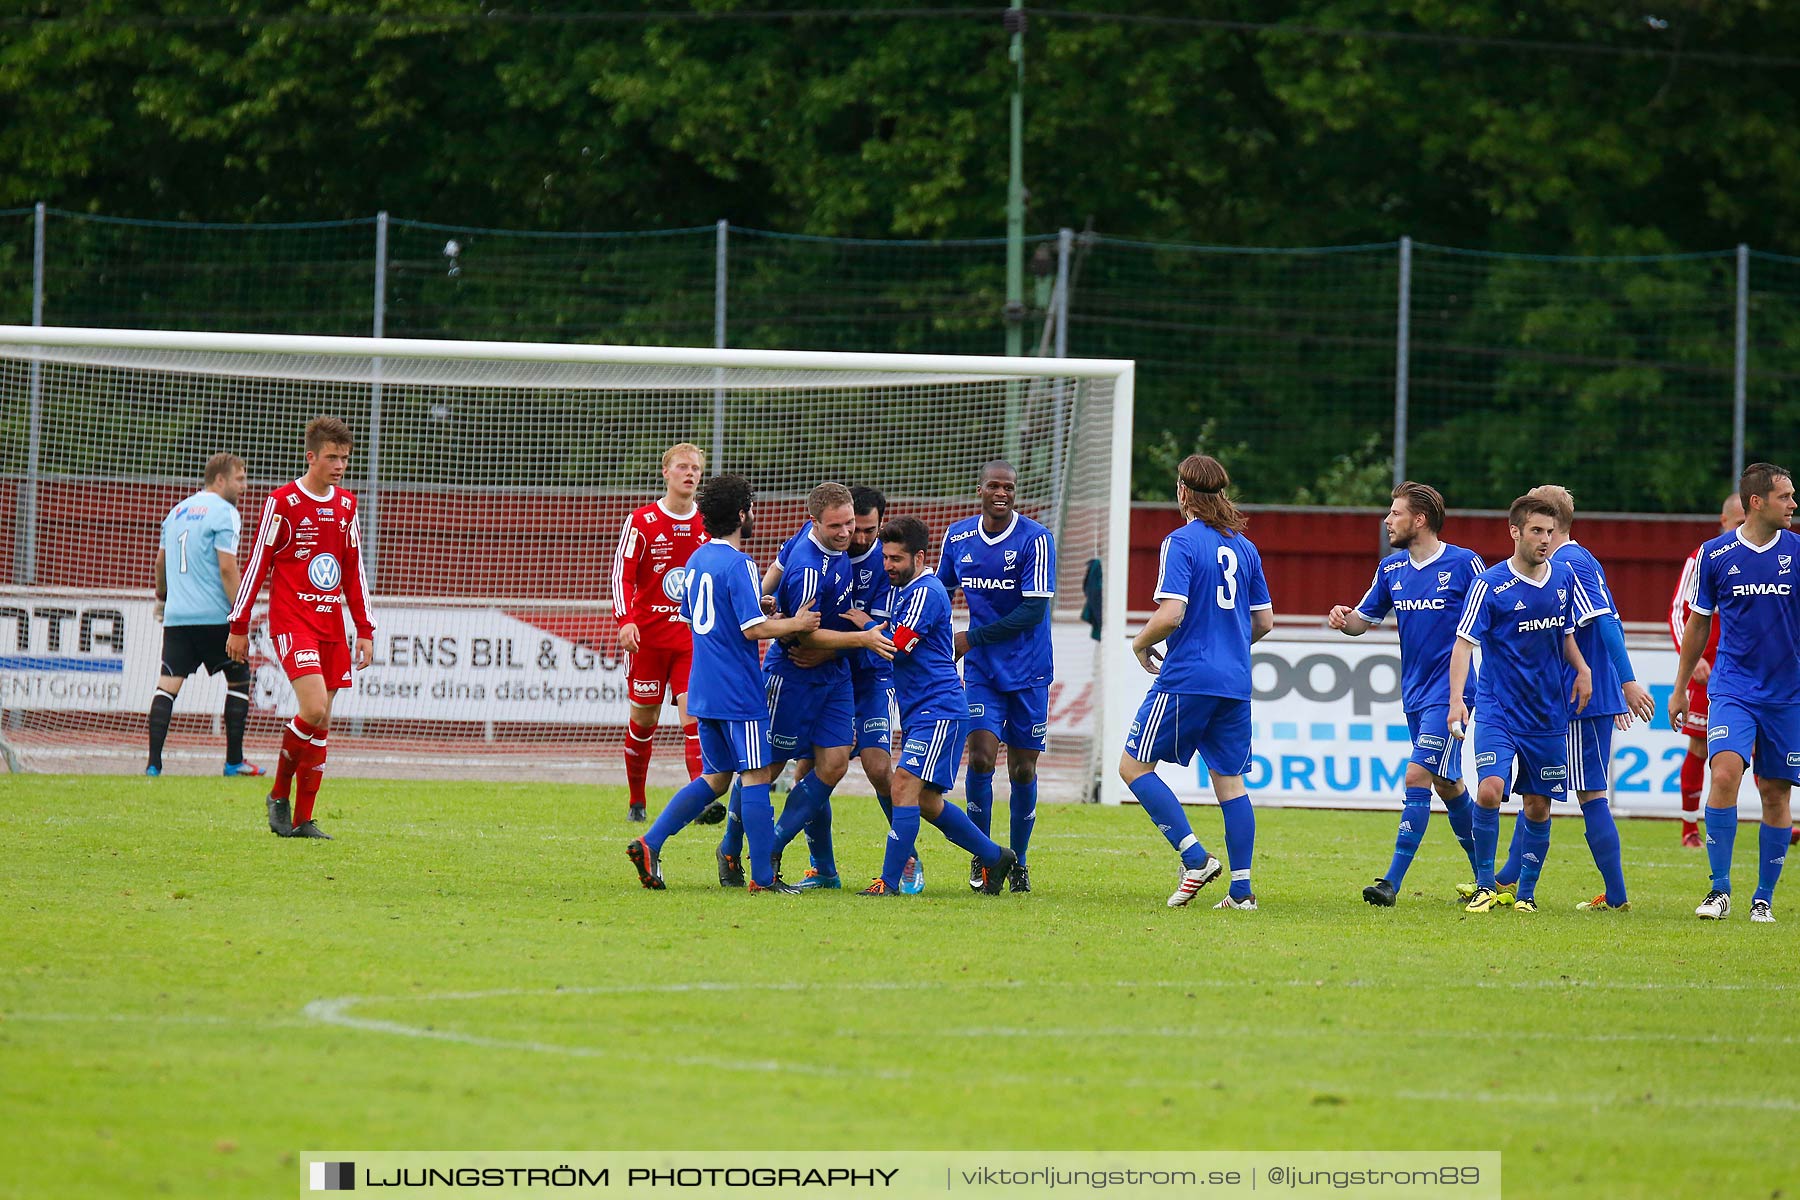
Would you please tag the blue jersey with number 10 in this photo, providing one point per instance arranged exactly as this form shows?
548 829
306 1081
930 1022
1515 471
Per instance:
722 599
1221 579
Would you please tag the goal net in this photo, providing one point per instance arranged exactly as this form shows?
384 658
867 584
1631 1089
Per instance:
494 479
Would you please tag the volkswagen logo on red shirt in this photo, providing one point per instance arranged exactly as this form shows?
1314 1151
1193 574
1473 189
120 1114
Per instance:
324 573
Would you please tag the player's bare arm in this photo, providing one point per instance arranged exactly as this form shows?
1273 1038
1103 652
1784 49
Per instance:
1346 619
1164 621
803 622
1582 690
1693 643
1461 655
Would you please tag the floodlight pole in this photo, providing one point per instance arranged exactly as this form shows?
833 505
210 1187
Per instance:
1014 312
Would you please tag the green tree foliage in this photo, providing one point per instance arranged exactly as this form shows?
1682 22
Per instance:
1575 127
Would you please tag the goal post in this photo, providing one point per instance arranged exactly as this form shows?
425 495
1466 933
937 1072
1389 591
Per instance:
495 479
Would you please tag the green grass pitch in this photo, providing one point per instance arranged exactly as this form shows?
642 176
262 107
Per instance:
186 1001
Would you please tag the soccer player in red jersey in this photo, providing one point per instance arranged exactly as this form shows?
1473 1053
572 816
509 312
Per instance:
309 545
1693 767
649 574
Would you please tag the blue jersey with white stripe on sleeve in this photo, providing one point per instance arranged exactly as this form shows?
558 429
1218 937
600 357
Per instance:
1749 591
1426 599
812 573
1220 577
194 534
1519 624
723 597
1590 576
925 680
869 591
996 572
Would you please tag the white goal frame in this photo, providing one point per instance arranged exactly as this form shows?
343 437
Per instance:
1117 662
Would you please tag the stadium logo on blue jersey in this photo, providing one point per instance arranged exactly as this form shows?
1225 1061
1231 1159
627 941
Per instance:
675 584
324 573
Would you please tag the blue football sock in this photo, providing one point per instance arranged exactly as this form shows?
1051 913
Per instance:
1240 842
803 802
1603 840
1509 873
979 792
902 843
955 824
682 808
1772 846
1721 832
1462 817
1532 855
818 840
1023 810
887 808
1159 804
1484 827
1415 815
732 842
758 829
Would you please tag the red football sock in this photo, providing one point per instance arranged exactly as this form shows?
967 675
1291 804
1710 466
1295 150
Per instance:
310 774
691 742
1693 780
637 758
296 740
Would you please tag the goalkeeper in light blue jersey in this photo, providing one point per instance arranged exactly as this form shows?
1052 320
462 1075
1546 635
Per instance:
196 578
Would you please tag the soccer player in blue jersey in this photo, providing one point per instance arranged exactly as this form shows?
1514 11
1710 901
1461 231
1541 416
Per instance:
1522 613
1617 695
871 676
1005 564
1213 604
1746 584
1424 584
722 604
812 699
196 580
934 715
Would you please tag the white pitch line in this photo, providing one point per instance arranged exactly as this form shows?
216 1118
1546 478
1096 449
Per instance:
337 1012
1612 1102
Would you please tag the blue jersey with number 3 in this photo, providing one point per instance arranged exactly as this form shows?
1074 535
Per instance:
722 600
1221 579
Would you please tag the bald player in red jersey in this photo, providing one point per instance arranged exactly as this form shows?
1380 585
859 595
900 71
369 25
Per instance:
309 546
1693 767
648 578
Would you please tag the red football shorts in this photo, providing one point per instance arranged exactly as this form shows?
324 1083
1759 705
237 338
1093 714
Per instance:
651 671
306 652
1694 724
